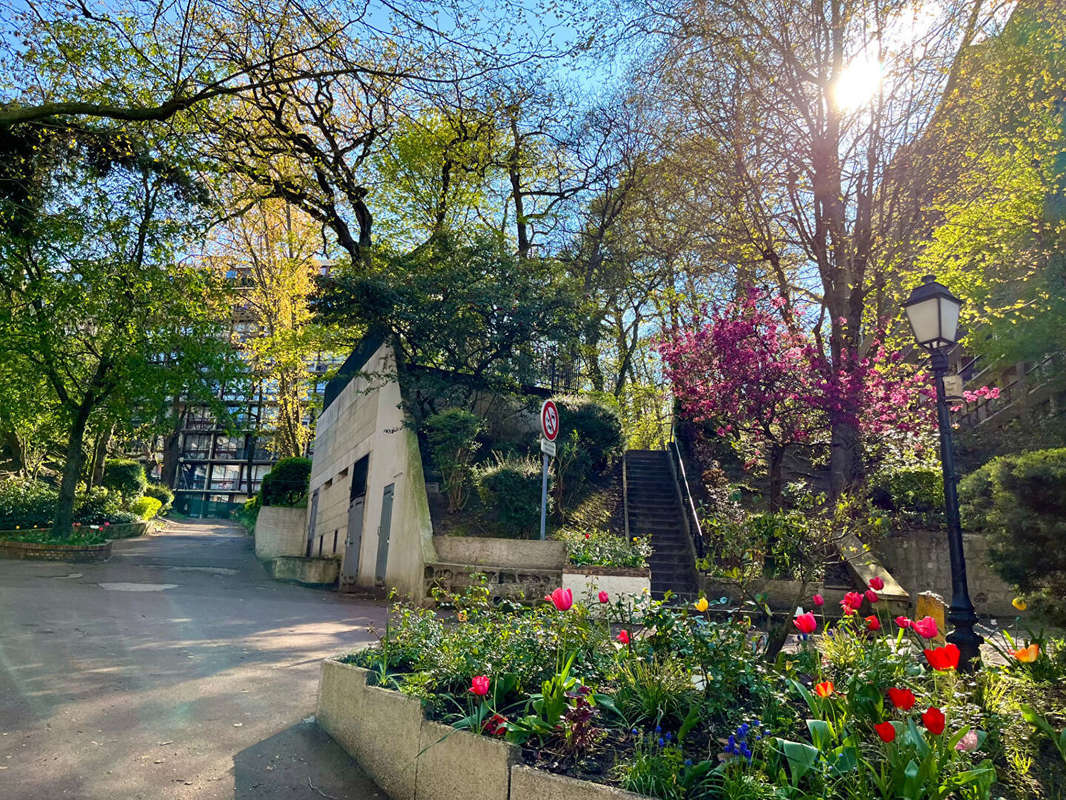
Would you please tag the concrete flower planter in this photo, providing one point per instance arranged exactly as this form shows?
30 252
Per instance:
412 758
587 582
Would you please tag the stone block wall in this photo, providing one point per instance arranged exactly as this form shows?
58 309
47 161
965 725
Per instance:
919 561
280 531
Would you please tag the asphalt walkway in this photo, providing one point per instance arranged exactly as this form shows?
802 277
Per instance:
178 669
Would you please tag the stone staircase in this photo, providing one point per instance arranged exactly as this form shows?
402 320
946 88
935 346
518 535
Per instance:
653 506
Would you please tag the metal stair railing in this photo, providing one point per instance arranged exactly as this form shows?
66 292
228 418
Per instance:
695 531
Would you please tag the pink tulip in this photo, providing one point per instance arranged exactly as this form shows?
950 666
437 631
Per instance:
818 600
623 636
876 583
479 685
562 599
604 597
925 627
903 622
871 596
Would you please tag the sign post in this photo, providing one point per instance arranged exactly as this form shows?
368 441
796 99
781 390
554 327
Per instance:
549 429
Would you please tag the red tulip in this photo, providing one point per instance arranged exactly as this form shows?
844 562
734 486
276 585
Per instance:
818 600
903 699
925 627
479 685
562 599
873 623
877 583
604 597
823 689
871 596
933 720
886 730
805 623
852 600
623 636
943 658
903 622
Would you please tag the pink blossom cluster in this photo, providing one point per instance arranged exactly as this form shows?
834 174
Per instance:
744 367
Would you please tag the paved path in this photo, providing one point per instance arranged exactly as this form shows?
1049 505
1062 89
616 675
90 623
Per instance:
175 670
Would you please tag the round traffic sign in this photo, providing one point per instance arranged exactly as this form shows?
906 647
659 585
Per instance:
549 420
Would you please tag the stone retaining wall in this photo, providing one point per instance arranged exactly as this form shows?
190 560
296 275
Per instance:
280 531
498 553
308 571
412 758
55 552
919 560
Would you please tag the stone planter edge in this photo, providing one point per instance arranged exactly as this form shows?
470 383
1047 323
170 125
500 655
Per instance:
438 762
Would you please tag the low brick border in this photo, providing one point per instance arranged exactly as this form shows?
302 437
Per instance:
412 758
78 553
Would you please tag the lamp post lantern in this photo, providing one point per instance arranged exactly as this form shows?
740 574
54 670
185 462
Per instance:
933 313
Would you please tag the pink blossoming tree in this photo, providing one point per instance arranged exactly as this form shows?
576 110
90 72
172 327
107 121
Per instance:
768 386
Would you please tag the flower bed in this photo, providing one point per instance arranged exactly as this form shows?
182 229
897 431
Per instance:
667 702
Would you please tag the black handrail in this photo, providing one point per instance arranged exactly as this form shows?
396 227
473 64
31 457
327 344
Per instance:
696 530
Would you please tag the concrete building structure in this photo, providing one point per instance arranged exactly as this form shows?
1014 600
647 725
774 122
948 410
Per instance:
368 502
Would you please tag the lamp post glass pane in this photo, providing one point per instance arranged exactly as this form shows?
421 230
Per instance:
949 320
924 318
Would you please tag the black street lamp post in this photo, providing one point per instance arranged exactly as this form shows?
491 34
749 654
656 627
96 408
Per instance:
933 313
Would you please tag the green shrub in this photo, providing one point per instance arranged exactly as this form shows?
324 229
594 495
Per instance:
287 483
510 490
100 505
596 424
452 436
145 507
590 437
26 503
599 548
917 490
124 476
162 494
1020 501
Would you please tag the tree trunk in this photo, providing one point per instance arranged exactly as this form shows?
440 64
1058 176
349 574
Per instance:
775 464
75 458
100 456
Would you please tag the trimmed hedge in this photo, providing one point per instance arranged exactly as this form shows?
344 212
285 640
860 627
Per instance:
910 489
146 507
162 494
124 476
287 483
1020 501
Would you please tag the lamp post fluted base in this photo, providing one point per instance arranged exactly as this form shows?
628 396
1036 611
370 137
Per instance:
964 637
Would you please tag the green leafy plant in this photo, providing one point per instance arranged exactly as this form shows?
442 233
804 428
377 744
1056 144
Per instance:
510 491
287 483
145 507
162 494
126 477
601 548
452 436
1020 501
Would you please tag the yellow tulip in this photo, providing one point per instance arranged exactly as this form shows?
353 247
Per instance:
1019 603
701 604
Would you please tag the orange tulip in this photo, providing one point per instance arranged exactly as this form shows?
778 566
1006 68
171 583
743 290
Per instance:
823 689
1027 655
